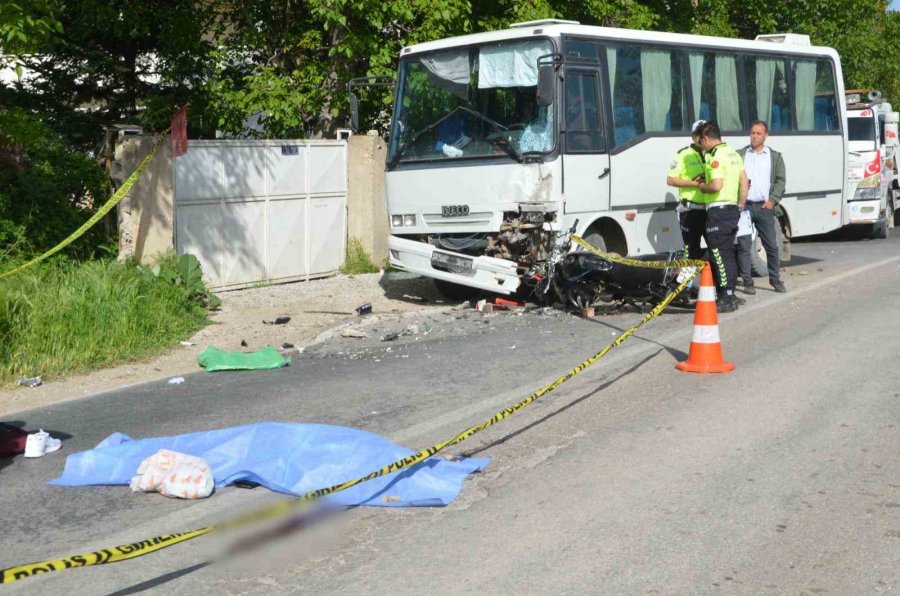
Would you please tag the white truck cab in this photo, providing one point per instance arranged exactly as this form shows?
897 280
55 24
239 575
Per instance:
872 181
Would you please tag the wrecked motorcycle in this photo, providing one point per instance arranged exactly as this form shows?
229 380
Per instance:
582 279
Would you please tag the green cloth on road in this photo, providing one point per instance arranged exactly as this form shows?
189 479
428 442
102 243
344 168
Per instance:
213 359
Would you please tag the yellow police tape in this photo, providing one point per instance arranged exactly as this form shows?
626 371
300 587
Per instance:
112 202
144 547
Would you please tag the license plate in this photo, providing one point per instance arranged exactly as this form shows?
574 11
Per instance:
685 273
452 263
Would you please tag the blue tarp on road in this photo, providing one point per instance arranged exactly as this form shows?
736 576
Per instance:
287 458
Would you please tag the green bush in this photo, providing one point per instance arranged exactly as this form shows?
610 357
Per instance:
357 259
47 189
63 317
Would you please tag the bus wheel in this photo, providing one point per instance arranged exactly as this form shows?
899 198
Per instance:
596 240
457 292
880 230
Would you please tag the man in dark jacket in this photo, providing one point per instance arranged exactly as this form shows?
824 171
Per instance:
765 169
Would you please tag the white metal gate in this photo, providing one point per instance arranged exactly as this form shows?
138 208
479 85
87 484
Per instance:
261 211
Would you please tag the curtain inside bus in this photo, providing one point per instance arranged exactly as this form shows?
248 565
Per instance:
510 64
805 93
765 85
449 71
656 68
728 107
696 66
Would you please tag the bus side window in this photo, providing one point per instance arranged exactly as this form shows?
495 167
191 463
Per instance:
584 130
767 92
647 88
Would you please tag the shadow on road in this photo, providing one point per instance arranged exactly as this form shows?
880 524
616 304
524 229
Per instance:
158 581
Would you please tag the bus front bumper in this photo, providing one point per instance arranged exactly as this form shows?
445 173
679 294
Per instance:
863 212
484 273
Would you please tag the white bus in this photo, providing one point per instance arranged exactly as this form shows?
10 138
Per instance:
490 154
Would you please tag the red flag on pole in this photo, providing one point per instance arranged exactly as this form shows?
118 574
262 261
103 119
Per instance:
179 131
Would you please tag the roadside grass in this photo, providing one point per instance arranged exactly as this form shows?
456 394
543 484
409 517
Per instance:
357 260
65 317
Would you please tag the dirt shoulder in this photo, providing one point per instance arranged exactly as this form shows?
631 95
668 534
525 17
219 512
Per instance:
314 307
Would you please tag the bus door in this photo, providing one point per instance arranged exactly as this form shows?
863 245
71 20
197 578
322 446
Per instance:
586 165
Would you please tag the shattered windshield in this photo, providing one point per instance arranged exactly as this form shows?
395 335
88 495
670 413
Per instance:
474 101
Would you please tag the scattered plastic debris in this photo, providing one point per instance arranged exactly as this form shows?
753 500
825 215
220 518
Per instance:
175 475
390 337
188 344
29 382
411 297
244 343
278 321
213 359
364 309
411 330
287 346
512 347
176 381
484 306
508 303
354 333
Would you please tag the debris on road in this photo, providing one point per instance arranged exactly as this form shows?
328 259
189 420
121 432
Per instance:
278 321
244 343
588 312
287 346
176 381
411 330
40 443
12 440
484 306
411 297
364 309
174 474
214 359
354 333
29 382
188 344
390 337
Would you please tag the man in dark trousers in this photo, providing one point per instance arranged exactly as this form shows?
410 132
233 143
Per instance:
726 181
686 172
765 170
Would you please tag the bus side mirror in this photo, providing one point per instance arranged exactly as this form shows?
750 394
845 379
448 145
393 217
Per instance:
354 112
546 85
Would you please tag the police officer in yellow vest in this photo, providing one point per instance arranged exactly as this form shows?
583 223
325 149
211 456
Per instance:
727 185
686 173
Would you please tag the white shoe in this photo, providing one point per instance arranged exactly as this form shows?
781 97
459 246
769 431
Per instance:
39 443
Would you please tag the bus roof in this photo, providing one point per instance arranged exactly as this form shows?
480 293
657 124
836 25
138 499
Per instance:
560 29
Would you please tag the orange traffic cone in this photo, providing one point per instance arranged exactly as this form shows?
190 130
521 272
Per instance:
706 349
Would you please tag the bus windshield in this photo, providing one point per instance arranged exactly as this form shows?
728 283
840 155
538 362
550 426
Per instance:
473 101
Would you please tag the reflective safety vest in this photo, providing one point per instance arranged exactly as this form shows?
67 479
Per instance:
725 164
687 165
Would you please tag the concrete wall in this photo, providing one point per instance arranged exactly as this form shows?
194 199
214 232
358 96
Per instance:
146 215
367 217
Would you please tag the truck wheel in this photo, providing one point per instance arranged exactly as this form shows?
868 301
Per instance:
880 231
456 292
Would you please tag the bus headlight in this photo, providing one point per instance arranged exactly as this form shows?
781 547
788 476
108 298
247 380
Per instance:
868 188
404 220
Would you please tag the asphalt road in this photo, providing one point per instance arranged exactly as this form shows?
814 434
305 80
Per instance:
783 476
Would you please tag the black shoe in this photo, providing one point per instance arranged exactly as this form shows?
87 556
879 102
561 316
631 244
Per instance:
749 289
778 286
727 304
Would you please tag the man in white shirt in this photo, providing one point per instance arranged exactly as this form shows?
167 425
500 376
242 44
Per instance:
765 169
